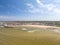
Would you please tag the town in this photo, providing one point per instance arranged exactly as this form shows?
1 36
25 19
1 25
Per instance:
19 23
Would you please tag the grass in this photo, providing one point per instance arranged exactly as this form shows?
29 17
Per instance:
57 23
15 36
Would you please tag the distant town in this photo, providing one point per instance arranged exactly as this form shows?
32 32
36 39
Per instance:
19 23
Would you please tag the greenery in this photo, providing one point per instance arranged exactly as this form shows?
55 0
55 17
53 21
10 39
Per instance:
57 23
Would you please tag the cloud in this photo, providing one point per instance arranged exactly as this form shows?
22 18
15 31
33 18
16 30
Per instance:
40 3
51 7
32 8
48 6
57 1
30 5
6 17
57 10
35 10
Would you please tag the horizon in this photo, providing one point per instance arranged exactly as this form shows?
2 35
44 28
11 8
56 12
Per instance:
32 21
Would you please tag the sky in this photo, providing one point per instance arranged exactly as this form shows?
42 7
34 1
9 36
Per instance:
29 10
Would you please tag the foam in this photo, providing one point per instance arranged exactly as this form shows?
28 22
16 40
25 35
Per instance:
31 31
24 29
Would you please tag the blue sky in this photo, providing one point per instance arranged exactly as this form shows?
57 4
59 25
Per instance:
35 10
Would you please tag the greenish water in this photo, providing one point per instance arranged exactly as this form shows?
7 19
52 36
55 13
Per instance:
15 36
